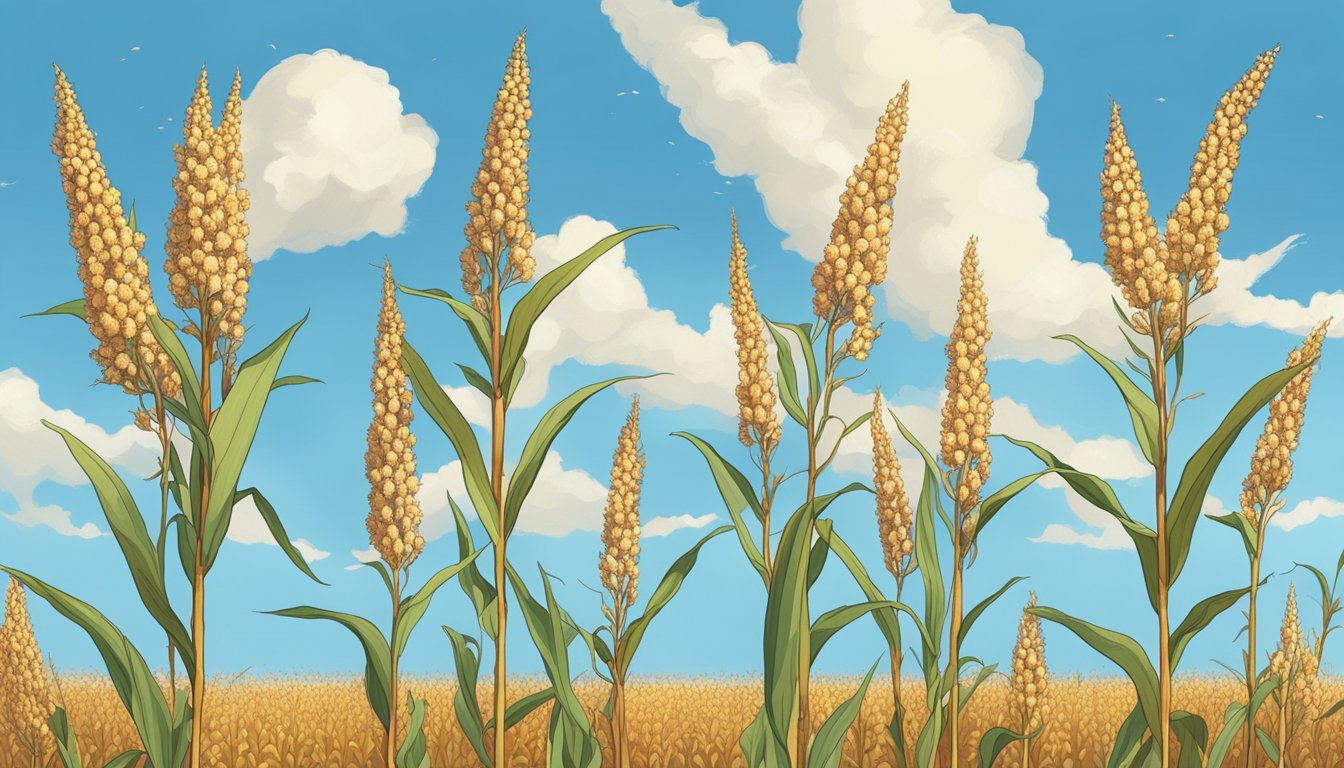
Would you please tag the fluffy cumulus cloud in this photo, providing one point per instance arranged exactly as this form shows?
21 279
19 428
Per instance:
797 128
662 526
31 454
248 527
604 318
1235 302
1308 511
331 154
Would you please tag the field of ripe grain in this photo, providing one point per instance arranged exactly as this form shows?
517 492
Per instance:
296 722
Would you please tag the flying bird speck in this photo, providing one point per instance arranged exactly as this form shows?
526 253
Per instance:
671 143
621 93
135 48
1161 99
634 93
4 184
1320 117
271 45
1169 35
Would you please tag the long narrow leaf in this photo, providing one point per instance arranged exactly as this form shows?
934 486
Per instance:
414 751
788 378
467 665
475 322
1200 616
277 529
477 588
980 607
1142 409
997 739
73 307
377 657
413 607
831 622
830 738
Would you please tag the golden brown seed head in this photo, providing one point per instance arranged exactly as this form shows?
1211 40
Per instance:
968 408
24 691
1287 659
758 422
1135 254
207 263
1194 227
1272 461
112 268
497 211
618 564
895 520
855 259
389 463
1029 681
1295 663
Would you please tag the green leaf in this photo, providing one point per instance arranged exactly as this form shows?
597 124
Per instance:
413 607
523 707
662 595
476 323
67 746
74 308
926 554
377 656
166 334
1101 495
383 573
277 529
996 501
1234 717
788 378
414 752
232 432
1142 409
1267 744
450 420
829 623
1336 707
980 607
126 759
1192 734
1188 499
737 494
181 725
475 379
997 739
753 740
803 333
135 684
1238 522
816 561
1119 648
1129 740
539 444
477 588
830 737
1200 616
467 664
186 545
128 528
293 381
545 290
886 621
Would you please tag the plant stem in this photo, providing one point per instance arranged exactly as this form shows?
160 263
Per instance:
497 490
394 708
198 575
766 499
1159 372
620 729
954 638
1252 675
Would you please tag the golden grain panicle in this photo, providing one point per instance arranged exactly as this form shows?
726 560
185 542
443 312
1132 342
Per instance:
1193 228
1272 461
1135 254
24 691
1294 661
855 258
619 562
1029 681
497 211
118 301
207 264
389 463
895 519
968 407
757 420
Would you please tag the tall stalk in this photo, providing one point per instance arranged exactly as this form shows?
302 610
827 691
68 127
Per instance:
390 754
497 410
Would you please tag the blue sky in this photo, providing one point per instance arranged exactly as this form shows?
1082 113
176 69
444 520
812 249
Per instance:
647 113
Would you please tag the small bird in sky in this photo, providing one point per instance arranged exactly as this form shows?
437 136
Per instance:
1320 117
1161 99
4 184
272 46
1169 35
135 48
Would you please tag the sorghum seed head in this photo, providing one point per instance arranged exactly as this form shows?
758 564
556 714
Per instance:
855 259
1029 681
1272 461
618 565
394 514
968 408
497 211
1135 253
758 421
1194 226
207 264
895 520
112 268
24 691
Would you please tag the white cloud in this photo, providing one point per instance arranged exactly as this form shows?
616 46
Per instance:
1111 537
248 527
797 128
1233 302
562 500
330 154
662 526
363 556
31 454
605 318
1307 512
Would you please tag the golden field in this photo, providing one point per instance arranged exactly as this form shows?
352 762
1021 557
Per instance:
293 722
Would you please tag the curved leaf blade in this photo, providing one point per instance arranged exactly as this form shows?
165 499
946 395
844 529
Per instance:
997 739
467 664
475 322
277 530
830 738
831 622
377 656
1142 409
413 607
73 307
980 607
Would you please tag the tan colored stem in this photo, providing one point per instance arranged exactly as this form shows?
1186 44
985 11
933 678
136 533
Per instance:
198 575
1159 371
497 490
1252 676
954 646
394 707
